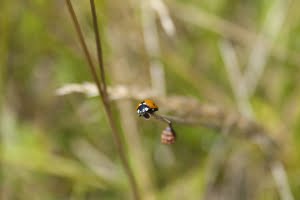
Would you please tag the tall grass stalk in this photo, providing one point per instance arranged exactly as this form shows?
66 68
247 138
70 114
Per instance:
101 85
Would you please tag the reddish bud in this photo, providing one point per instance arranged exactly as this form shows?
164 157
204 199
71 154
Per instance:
168 136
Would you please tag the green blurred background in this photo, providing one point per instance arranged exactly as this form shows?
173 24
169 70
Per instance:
242 56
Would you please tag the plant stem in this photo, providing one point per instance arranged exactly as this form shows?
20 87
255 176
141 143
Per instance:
83 45
99 47
101 85
162 118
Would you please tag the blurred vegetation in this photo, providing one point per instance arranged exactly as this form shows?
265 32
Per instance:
61 147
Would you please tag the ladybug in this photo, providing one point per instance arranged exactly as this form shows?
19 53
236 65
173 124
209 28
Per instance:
146 108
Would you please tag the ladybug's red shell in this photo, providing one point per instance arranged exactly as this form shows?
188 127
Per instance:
146 107
150 104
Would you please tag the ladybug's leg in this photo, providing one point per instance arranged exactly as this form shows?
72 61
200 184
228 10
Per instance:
146 116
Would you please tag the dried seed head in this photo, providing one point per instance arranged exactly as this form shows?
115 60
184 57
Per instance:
168 136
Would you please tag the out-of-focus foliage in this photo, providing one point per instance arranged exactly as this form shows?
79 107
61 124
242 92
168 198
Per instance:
61 147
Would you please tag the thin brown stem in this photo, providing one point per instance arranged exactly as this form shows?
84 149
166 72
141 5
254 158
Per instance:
161 118
101 86
99 46
83 45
